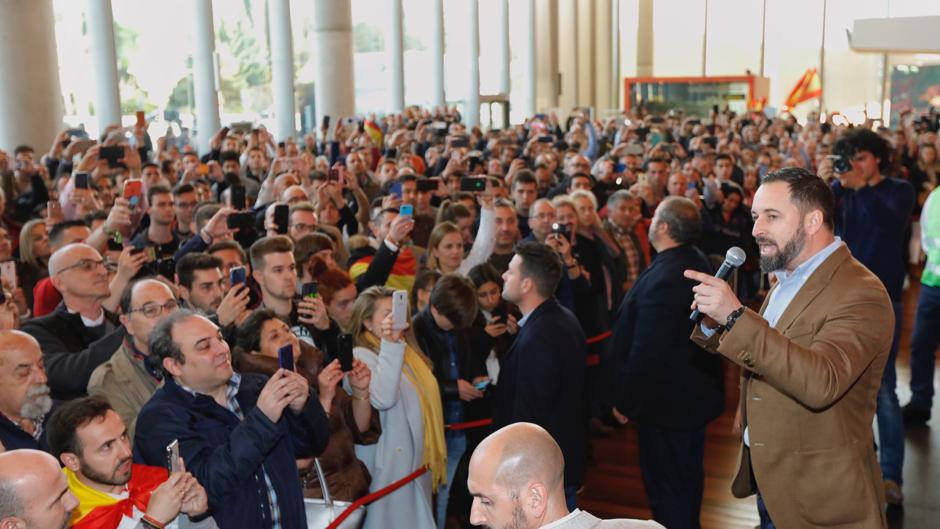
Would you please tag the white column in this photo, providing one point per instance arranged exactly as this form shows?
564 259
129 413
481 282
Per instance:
394 53
472 106
644 39
282 68
568 54
615 83
529 58
548 86
104 63
30 95
602 52
437 52
207 99
504 57
585 53
335 87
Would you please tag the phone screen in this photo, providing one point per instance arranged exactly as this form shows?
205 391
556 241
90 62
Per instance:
285 357
344 352
281 214
237 275
173 456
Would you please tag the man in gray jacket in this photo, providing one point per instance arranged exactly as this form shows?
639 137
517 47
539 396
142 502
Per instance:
517 481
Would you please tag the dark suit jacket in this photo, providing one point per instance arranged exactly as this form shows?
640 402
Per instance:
663 378
808 395
72 351
542 382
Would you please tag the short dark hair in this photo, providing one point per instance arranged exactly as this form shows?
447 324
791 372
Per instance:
182 189
228 156
807 192
249 332
862 139
68 418
149 164
204 212
157 190
724 156
23 148
161 339
682 219
485 273
60 227
186 267
455 298
128 293
541 264
524 176
228 245
268 245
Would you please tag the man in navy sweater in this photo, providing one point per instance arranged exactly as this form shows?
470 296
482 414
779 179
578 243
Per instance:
872 213
239 434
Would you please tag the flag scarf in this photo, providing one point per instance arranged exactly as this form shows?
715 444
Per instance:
403 272
99 510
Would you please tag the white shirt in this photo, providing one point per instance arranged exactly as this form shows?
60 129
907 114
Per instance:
564 520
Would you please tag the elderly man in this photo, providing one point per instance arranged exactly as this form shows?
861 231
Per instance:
239 434
38 499
80 334
24 395
517 482
129 378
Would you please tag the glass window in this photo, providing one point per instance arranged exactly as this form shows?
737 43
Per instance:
369 56
419 59
242 45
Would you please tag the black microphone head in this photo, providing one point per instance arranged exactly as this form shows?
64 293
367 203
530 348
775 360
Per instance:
735 256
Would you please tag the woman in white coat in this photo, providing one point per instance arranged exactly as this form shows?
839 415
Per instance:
404 391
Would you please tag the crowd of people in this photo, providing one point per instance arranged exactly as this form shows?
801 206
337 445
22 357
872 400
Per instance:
548 271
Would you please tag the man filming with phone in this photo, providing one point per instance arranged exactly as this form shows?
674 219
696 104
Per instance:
91 441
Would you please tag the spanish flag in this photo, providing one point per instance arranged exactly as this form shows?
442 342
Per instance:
98 510
808 87
403 271
374 132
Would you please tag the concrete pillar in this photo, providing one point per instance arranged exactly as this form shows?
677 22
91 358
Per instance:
104 63
587 71
437 51
529 60
471 113
644 39
504 57
602 55
30 94
548 82
282 68
394 57
204 71
333 66
568 54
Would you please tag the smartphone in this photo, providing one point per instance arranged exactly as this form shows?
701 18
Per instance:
546 139
406 209
114 246
141 119
80 146
481 385
400 309
636 150
281 214
243 220
8 270
202 169
53 210
326 122
237 275
81 180
173 456
620 168
133 188
395 189
460 142
237 197
111 154
333 176
310 290
473 184
427 185
285 357
560 229
344 352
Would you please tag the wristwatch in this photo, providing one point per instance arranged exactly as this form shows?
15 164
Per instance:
733 317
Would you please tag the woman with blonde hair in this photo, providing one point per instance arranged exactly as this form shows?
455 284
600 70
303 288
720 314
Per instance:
405 392
34 257
445 246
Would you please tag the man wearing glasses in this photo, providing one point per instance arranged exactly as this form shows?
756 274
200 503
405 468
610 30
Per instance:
129 378
79 335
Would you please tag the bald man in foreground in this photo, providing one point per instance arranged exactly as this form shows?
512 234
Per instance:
34 499
517 479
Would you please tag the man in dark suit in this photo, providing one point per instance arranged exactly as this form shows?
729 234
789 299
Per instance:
542 376
670 386
80 334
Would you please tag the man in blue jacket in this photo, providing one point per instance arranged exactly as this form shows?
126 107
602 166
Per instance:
240 435
542 377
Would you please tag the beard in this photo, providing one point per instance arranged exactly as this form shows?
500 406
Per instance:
115 479
38 402
518 519
780 260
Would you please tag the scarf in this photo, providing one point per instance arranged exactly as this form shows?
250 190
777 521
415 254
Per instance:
98 509
432 411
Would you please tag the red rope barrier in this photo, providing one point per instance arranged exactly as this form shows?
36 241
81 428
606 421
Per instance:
468 425
600 337
369 498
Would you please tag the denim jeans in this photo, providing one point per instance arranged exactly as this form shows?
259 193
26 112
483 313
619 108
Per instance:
456 446
765 521
888 412
924 343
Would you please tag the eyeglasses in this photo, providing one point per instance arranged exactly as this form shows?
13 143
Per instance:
186 205
152 310
85 265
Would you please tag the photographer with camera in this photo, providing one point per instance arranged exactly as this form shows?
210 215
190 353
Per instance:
872 213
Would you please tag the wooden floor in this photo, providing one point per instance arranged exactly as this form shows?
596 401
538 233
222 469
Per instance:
614 489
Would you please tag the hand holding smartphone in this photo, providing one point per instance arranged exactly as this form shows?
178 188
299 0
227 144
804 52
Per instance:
238 275
344 352
399 310
173 456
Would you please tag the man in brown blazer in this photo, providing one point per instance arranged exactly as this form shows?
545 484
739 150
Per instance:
812 361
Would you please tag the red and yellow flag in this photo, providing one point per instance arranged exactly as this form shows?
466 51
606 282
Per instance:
808 87
97 510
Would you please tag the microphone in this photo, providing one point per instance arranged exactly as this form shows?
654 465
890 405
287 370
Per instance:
733 258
